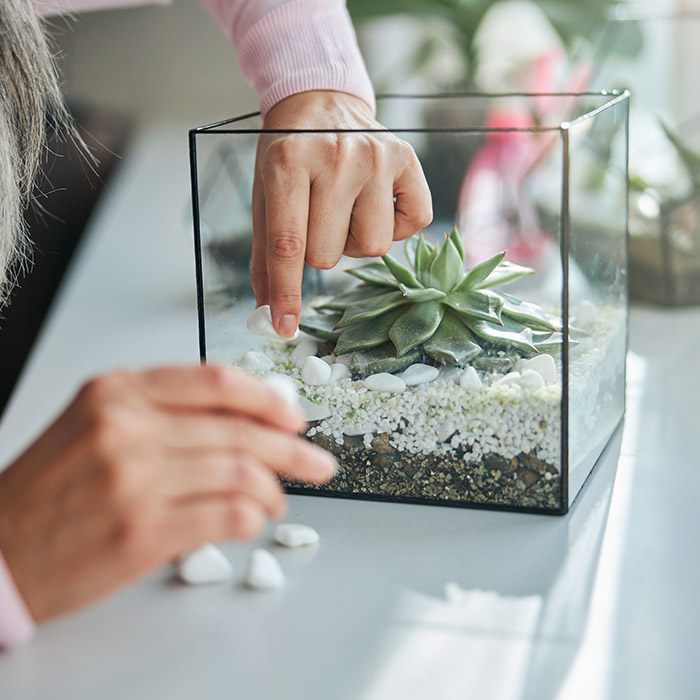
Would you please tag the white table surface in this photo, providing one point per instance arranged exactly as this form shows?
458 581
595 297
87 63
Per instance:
602 603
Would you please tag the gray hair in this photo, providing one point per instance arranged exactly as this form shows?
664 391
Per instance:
29 93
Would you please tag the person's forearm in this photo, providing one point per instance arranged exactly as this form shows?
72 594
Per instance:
16 624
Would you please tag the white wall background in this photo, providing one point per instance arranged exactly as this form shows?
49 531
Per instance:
171 63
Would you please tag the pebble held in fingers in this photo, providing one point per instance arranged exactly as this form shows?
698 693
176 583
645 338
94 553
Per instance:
260 323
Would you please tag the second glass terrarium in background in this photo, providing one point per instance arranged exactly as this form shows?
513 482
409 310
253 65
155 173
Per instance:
448 372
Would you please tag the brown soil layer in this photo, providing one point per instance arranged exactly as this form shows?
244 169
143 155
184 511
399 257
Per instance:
523 481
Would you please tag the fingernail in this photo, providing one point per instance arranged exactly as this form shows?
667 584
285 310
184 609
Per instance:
324 463
287 325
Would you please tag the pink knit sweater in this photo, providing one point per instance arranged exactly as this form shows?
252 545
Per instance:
284 47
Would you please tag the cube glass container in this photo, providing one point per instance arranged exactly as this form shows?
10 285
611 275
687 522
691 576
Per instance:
507 395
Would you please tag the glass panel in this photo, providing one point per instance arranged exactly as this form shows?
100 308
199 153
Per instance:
597 286
471 411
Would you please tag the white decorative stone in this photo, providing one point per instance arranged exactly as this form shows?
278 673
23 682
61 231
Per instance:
295 535
260 323
510 378
264 571
446 430
206 564
469 379
449 373
315 371
339 371
255 361
545 365
313 411
383 381
419 374
530 379
302 351
586 315
284 386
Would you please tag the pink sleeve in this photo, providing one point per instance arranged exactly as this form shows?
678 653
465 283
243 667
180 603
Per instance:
291 46
16 624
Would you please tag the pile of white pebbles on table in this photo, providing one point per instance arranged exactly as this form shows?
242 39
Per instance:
426 409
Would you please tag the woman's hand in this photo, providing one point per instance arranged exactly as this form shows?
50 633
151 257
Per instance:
319 196
141 467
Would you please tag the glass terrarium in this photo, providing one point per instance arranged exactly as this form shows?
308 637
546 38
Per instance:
480 363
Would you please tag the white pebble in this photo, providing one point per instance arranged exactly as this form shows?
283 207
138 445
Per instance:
545 365
344 360
419 374
260 323
284 386
206 564
469 379
339 371
510 378
446 430
264 571
383 381
315 371
295 535
255 361
302 351
313 411
531 379
449 373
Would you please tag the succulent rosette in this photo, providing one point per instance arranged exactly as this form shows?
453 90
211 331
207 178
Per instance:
433 307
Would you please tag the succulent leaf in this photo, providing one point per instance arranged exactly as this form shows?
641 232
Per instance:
446 268
510 334
457 241
409 249
550 342
401 273
341 301
367 334
479 273
526 313
375 272
420 295
422 255
452 343
505 272
371 308
382 359
476 305
321 325
416 326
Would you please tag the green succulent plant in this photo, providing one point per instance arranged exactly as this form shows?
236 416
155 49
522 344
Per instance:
433 307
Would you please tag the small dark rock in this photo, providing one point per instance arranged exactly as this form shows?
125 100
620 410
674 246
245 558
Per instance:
528 477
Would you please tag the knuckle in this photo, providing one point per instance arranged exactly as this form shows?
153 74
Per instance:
286 245
246 521
219 378
407 154
282 155
131 530
105 389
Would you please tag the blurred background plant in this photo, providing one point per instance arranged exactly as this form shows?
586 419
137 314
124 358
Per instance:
649 46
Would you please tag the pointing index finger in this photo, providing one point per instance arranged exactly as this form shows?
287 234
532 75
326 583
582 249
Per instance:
287 191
